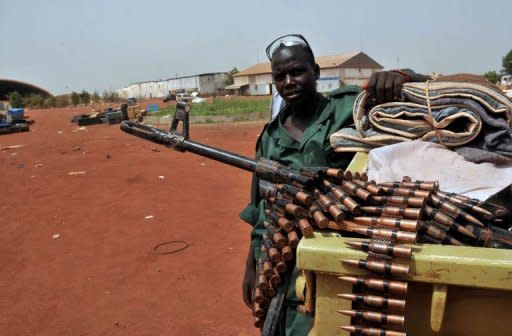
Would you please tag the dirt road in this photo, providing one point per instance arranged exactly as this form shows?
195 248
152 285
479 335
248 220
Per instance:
77 250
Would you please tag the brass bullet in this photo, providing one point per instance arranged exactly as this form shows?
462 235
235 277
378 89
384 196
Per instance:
390 249
446 220
394 235
397 223
315 211
375 301
377 317
383 267
371 331
417 202
384 285
405 212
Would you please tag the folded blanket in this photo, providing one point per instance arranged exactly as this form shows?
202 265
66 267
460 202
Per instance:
470 117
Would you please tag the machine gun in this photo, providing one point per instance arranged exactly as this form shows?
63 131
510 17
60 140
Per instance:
264 168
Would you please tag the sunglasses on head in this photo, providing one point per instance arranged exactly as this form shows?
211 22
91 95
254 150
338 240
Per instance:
289 40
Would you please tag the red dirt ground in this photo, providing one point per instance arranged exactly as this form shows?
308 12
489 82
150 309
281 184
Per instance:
101 276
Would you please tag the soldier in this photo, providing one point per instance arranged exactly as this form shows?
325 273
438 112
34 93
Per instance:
299 137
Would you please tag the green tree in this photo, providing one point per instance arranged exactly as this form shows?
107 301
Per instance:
35 100
51 101
95 97
492 76
506 62
62 101
85 97
75 99
230 80
16 99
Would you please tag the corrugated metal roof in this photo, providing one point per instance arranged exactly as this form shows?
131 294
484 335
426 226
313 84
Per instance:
331 61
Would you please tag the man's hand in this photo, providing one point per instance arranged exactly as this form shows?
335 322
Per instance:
385 86
249 278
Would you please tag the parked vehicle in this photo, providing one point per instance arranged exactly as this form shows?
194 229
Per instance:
169 97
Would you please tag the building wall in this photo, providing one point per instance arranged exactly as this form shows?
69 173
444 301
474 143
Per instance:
210 83
330 72
327 84
205 84
242 80
259 89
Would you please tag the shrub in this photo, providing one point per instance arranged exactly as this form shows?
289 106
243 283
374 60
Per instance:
16 99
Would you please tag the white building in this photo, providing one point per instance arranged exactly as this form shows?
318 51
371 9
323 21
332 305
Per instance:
206 84
354 68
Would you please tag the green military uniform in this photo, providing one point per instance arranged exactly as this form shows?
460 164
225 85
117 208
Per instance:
331 114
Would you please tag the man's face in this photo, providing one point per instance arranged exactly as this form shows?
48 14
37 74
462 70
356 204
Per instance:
294 75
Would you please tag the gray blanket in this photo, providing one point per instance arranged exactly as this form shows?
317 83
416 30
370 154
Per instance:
471 118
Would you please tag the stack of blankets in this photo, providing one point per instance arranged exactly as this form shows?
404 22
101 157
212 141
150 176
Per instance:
462 112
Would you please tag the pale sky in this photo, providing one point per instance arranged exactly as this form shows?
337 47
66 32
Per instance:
66 46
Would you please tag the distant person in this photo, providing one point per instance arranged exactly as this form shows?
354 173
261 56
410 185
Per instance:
299 136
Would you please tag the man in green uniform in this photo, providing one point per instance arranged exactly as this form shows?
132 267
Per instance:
299 137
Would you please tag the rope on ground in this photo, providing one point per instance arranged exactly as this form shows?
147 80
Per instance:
184 245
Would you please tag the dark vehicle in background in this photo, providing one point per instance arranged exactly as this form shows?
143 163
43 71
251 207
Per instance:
169 97
131 101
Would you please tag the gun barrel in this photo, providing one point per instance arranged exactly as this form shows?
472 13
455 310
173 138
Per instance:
180 142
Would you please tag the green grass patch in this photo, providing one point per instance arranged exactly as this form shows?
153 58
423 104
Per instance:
223 107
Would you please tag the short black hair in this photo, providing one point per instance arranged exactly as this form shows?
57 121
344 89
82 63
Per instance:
310 57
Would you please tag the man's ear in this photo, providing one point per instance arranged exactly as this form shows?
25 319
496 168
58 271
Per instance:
317 71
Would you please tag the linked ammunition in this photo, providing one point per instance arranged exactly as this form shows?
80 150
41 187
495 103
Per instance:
486 214
316 213
336 173
277 236
463 198
288 207
453 210
343 197
434 231
359 330
407 192
258 311
261 281
428 186
287 253
398 223
394 235
383 267
293 239
389 249
371 186
295 193
375 301
274 279
281 221
273 253
329 204
384 285
357 190
417 202
446 220
305 227
258 322
271 290
405 212
258 296
371 316
266 263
